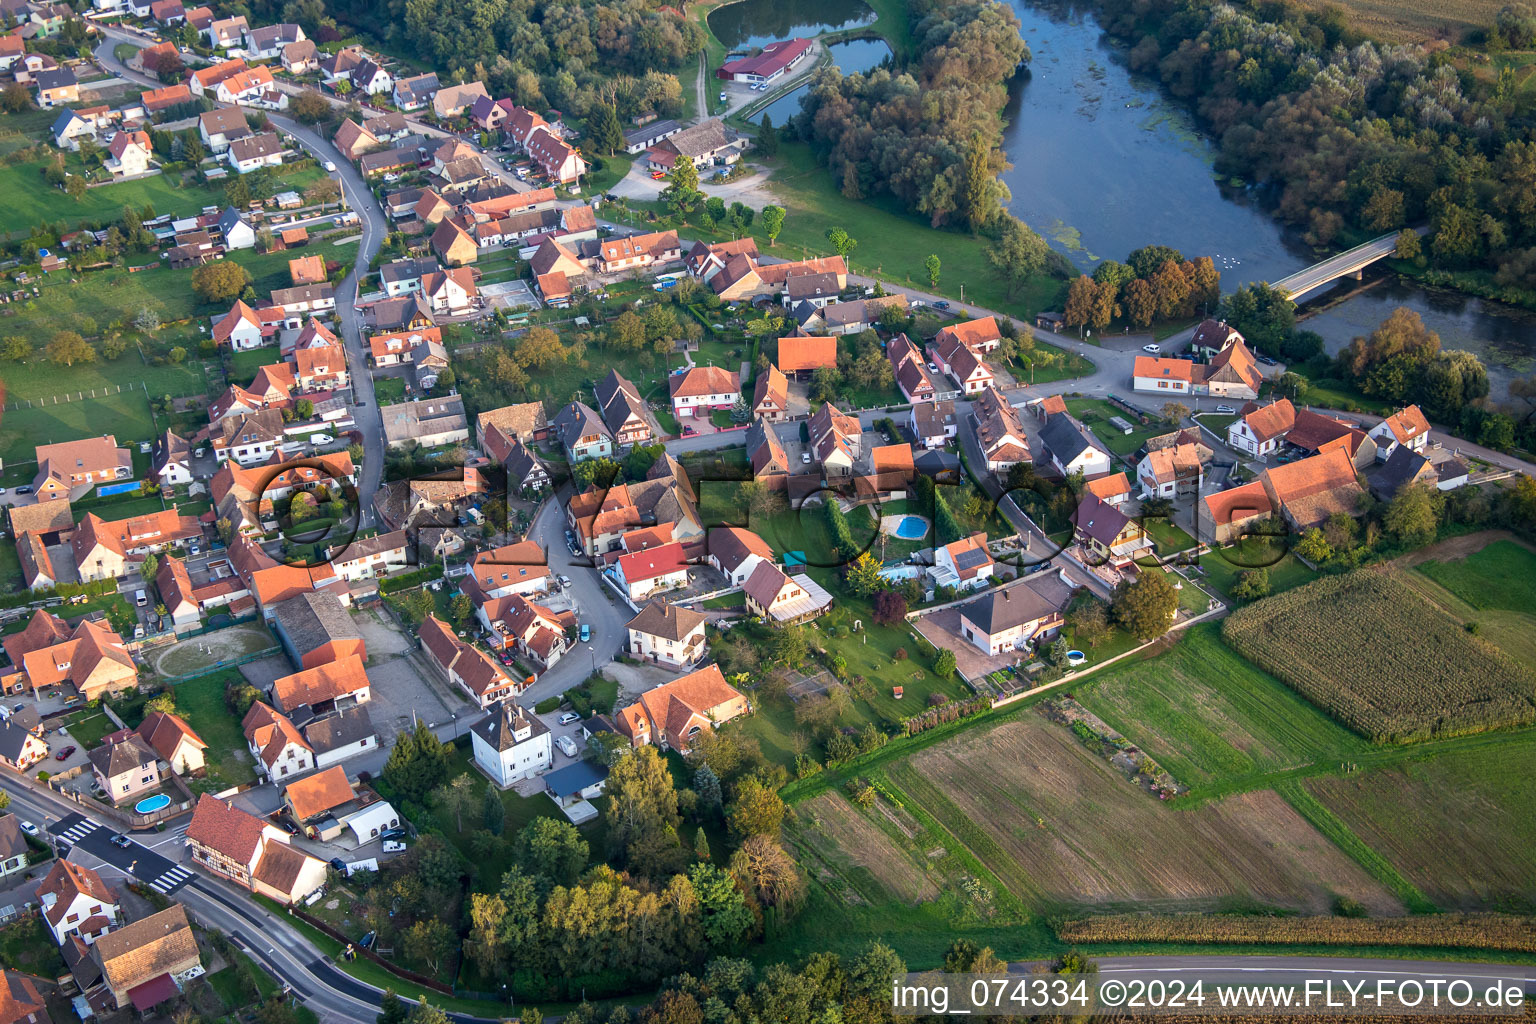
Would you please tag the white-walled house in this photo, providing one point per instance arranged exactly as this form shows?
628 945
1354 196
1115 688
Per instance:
1406 427
75 901
667 634
511 744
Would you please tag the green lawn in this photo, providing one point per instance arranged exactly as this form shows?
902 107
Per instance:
1207 715
1169 538
389 390
1499 577
1223 565
124 415
1096 413
86 728
30 199
125 508
1048 364
243 365
201 703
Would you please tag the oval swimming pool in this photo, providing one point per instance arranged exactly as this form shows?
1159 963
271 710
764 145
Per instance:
150 804
912 528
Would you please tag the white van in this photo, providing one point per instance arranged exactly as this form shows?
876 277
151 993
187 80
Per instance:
476 515
140 598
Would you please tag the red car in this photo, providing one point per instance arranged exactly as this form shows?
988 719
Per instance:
63 755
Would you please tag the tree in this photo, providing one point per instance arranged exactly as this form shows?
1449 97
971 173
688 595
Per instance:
391 1009
767 138
643 817
790 647
1081 298
493 813
1089 623
1408 245
321 191
723 913
1251 585
627 332
76 187
1314 547
773 222
539 349
1018 254
863 575
763 866
604 130
461 610
1410 516
944 664
890 608
220 281
15 99
682 192
149 567
1145 606
309 107
1138 302
428 941
756 811
707 785
16 348
163 702
67 348
701 844
842 243
1264 316
932 266
177 354
554 849
1175 413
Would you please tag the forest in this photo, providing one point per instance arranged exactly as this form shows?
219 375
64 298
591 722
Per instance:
1349 137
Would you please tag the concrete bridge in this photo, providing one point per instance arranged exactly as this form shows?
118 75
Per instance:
1346 264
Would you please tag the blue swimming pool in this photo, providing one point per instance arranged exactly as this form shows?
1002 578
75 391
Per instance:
150 804
912 528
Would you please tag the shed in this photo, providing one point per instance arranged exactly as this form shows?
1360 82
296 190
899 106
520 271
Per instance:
368 823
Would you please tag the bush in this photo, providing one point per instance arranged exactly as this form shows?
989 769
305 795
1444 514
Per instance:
547 705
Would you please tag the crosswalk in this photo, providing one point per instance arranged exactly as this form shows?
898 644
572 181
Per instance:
78 830
169 881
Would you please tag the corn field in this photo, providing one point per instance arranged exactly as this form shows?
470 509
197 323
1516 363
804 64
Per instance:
1370 651
1456 931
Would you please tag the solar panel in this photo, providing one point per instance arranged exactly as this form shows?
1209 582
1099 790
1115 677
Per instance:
970 559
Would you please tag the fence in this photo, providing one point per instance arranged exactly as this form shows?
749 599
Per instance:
78 396
223 664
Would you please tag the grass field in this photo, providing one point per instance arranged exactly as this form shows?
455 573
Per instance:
201 703
1378 656
1501 576
206 651
1096 413
1059 828
1460 826
86 728
1223 566
26 946
30 199
1208 716
124 415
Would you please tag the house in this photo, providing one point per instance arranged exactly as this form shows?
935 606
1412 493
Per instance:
1308 491
277 745
770 396
1406 427
56 87
1112 489
965 564
519 568
574 786
19 747
177 594
773 62
371 557
1232 372
429 422
553 258
341 734
907 366
69 128
836 440
498 428
128 155
321 368
247 438
315 629
511 744
226 33
353 140
668 634
240 328
453 244
63 467
12 49
313 797
736 552
817 290
20 1001
307 270
451 100
525 469
651 570
554 289
1013 617
415 92
253 87
465 666
268 41
935 424
675 713
999 431
799 356
557 158
980 335
13 847
634 252
623 411
770 463
104 550
300 57
1170 472
1163 375
125 768
1226 516
450 292
143 963
75 901
93 660
531 629
1405 468
1261 429
1314 433
489 114
323 687
1109 536
403 277
704 144
173 740
962 364
221 126
637 140
582 432
250 852
785 599
1072 448
255 152
158 101
206 80
236 230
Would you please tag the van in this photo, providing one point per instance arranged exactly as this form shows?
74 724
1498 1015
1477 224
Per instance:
476 515
393 846
140 598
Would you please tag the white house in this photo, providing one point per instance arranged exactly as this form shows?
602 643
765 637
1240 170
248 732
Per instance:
735 552
76 901
128 154
1260 431
667 634
240 328
511 744
1163 376
962 363
642 573
237 231
1406 427
1072 448
1170 472
964 564
70 128
256 151
703 389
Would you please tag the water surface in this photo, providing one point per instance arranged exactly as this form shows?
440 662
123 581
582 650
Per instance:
850 56
759 22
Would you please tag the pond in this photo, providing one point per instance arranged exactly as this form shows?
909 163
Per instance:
1104 163
850 56
1503 337
758 22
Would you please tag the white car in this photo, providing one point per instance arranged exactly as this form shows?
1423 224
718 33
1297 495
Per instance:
1154 349
569 718
805 457
1225 410
330 166
321 439
567 746
29 828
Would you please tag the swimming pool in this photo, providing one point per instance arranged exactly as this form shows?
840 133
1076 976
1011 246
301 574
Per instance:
149 804
912 528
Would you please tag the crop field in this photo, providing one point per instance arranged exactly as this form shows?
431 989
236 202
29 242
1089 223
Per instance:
1207 715
1367 648
1460 825
861 851
1060 828
1401 21
1464 931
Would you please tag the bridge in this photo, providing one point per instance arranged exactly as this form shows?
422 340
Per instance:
1346 264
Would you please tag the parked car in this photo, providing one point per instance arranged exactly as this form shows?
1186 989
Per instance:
1263 359
506 659
393 833
321 439
1154 349
569 718
24 489
339 864
805 457
1225 410
565 581
567 746
393 846
330 166
121 840
64 754
17 707
658 175
941 304
586 632
29 828
722 95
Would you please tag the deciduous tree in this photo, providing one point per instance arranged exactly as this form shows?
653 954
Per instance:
1145 606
